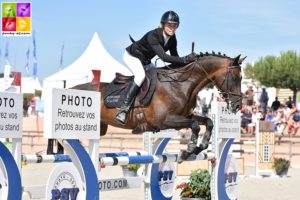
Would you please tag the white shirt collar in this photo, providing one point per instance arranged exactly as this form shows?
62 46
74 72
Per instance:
166 38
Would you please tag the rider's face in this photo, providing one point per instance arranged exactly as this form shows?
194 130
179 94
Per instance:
170 29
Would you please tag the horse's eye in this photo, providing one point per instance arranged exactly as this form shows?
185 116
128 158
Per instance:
225 95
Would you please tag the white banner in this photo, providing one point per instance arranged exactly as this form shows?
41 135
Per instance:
228 124
72 114
11 115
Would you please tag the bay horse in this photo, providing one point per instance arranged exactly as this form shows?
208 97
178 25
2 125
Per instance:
174 99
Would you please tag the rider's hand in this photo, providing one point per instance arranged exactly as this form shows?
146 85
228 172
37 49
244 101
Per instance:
190 58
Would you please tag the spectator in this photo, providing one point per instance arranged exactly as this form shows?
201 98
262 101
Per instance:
261 116
275 104
255 116
293 109
25 107
270 116
32 106
294 123
250 96
263 100
280 123
286 111
244 108
246 120
289 102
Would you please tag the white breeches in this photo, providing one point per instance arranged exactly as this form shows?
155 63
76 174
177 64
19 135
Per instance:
136 67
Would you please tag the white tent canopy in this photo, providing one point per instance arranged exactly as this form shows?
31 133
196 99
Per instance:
94 57
30 84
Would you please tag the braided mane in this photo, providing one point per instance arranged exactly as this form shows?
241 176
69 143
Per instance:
213 54
200 55
180 73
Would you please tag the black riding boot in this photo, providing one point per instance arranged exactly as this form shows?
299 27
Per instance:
128 100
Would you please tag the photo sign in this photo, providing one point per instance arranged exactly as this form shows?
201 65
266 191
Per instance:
72 114
11 115
227 122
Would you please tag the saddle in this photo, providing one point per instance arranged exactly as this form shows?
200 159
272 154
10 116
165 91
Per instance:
114 92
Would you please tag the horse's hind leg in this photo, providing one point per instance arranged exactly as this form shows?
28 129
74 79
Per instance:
103 129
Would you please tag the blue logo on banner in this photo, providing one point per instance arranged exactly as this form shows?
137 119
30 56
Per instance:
65 193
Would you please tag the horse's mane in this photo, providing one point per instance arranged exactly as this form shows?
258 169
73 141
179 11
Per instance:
181 73
200 55
213 54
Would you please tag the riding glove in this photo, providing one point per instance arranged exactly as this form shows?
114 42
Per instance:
190 58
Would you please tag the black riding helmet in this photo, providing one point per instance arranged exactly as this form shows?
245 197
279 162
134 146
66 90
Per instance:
170 17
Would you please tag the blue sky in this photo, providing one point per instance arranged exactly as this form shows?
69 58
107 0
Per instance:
252 28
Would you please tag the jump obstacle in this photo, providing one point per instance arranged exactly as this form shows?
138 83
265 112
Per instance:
160 172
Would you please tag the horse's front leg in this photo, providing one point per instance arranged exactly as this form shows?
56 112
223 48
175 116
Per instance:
192 147
207 135
179 122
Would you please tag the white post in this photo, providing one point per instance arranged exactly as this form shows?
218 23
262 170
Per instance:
151 148
215 150
93 150
226 128
148 142
256 146
148 148
17 151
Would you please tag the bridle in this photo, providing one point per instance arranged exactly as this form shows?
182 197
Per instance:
226 94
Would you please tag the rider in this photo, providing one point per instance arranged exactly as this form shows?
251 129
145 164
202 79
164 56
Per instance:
138 56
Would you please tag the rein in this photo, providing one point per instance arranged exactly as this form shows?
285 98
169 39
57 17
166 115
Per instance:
189 69
225 94
183 70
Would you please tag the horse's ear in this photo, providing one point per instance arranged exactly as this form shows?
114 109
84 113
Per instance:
242 59
236 60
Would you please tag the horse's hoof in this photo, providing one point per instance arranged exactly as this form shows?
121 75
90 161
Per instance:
191 147
137 131
184 156
197 150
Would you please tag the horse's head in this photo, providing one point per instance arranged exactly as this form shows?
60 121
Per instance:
228 81
225 73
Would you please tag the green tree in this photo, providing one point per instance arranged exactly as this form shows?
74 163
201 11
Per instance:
280 72
248 70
